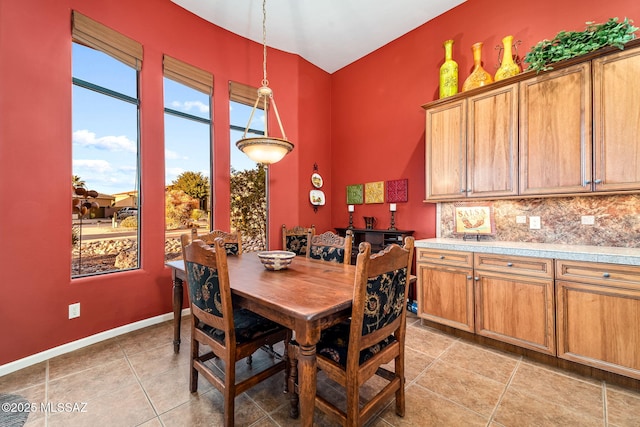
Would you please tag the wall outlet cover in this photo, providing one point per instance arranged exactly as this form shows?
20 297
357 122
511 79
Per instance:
588 220
534 222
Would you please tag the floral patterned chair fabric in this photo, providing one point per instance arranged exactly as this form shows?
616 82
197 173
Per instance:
228 334
297 239
330 247
355 350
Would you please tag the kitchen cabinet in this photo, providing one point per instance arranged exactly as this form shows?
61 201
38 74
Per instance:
514 300
616 114
445 287
471 146
598 312
555 132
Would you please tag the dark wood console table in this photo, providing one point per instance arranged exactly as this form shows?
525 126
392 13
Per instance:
379 239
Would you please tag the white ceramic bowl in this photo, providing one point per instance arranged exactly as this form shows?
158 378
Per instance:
276 260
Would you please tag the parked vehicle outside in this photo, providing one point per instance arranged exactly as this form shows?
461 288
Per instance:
127 212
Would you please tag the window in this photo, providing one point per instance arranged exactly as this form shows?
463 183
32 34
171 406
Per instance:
105 176
188 160
248 179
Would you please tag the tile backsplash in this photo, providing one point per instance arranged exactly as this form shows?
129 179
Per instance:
617 220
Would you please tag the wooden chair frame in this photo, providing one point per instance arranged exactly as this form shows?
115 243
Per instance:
215 256
233 237
297 231
354 375
330 239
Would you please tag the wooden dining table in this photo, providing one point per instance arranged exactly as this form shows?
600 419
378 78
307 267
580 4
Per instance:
308 296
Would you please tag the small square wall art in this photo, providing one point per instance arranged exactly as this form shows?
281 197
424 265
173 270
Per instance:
397 191
355 194
374 192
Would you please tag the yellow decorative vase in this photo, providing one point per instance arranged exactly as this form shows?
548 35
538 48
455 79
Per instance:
478 77
508 67
448 72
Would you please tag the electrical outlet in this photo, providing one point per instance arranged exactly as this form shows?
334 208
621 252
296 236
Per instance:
588 220
521 219
74 310
534 222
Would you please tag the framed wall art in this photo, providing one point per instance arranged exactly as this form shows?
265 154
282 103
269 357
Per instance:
397 191
374 192
474 219
355 194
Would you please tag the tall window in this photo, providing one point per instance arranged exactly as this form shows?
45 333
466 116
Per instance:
188 160
248 179
105 177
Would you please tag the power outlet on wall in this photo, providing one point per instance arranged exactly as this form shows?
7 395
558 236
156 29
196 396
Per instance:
534 222
74 310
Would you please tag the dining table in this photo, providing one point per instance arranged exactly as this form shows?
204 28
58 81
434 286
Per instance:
307 297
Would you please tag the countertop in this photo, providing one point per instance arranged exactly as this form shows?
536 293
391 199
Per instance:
608 254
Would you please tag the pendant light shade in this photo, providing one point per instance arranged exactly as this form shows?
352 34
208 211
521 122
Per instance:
265 149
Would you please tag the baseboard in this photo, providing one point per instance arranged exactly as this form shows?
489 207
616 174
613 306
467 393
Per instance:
16 365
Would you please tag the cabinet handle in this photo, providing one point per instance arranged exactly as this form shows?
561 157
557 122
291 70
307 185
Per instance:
598 181
509 264
462 190
476 278
468 277
468 190
587 182
441 256
606 275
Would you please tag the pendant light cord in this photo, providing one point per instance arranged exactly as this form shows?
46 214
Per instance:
265 82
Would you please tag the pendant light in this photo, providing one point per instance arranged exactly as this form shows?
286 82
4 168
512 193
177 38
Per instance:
265 149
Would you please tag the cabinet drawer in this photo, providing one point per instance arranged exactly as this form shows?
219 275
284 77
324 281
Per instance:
616 275
535 267
444 257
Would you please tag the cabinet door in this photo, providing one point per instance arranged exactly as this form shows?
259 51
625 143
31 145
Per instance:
492 143
445 295
445 151
555 132
616 111
516 309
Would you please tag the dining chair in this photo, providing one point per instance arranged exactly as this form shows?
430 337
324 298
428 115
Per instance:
328 246
352 352
296 239
230 334
232 241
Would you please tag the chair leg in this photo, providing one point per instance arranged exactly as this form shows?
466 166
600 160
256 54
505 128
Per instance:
400 398
294 411
229 395
250 359
287 366
193 380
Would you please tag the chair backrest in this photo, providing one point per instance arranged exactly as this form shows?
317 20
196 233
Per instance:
208 283
379 297
232 241
296 239
328 246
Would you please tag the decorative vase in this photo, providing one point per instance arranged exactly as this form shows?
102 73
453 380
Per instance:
508 67
478 77
448 72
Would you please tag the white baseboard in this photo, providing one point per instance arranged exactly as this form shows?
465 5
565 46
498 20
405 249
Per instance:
84 342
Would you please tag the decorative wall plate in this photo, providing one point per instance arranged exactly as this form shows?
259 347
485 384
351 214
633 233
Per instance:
316 180
316 197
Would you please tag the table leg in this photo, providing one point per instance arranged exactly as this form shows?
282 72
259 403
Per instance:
307 383
177 311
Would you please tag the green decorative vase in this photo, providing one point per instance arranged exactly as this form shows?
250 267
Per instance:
448 72
478 77
508 67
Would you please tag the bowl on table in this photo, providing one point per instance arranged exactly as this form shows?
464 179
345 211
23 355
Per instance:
276 260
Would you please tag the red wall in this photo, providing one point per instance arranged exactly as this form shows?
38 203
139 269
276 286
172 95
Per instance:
363 123
377 123
35 160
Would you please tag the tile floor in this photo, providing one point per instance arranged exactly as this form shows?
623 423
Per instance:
136 380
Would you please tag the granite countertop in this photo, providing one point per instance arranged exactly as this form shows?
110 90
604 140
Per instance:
608 254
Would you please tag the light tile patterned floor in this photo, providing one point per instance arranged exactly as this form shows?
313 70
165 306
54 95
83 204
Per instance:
137 380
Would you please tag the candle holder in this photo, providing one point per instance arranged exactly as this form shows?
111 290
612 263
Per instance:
350 221
393 221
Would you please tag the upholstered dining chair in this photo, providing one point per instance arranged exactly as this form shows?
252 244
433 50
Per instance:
230 334
353 351
296 239
232 241
328 246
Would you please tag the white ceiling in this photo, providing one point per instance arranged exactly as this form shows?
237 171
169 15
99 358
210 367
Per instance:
328 33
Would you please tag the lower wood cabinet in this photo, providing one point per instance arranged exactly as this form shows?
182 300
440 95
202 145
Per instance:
445 287
514 300
598 315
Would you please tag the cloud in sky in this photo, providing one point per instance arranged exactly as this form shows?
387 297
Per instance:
86 138
173 155
188 105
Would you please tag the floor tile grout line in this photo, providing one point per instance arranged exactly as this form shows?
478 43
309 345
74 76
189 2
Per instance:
504 391
144 390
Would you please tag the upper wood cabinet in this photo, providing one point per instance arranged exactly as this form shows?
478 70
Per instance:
570 131
471 146
616 116
555 132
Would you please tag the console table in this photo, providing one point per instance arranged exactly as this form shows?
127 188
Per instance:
379 239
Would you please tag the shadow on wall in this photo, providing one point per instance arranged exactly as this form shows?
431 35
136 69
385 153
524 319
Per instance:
616 220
